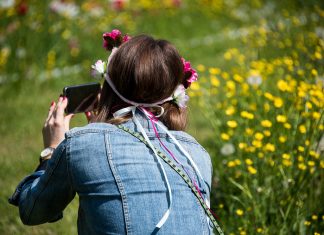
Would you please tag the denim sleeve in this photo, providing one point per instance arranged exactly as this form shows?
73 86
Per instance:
43 195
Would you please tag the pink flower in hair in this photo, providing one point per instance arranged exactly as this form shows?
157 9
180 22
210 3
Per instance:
126 38
114 34
112 39
191 75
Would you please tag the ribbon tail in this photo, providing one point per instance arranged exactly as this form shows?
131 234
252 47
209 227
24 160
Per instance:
167 213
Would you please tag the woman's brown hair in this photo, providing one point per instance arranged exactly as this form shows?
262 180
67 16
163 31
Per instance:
144 70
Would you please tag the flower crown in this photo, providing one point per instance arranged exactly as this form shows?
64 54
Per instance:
112 40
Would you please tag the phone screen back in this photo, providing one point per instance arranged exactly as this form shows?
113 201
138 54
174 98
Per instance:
81 98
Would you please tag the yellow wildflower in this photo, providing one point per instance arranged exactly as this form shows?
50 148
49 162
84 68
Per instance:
237 162
242 145
307 223
300 158
271 162
268 95
301 148
248 161
221 206
282 139
245 88
278 102
314 72
253 107
230 111
249 131
258 136
247 115
260 155
266 123
201 68
316 233
269 147
267 133
266 107
225 75
318 55
51 58
231 164
230 85
312 170
238 78
302 129
214 71
252 170
314 217
195 86
322 164
232 124
308 105
251 149
239 212
259 230
314 154
225 136
214 81
281 118
227 55
302 166
257 143
311 163
316 115
286 162
282 85
307 142
286 156
287 125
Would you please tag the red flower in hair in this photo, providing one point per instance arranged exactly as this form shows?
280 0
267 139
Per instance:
191 75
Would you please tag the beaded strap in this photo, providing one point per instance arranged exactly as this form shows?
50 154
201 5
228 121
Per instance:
181 173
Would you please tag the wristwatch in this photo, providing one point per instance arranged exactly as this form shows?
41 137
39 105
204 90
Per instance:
46 154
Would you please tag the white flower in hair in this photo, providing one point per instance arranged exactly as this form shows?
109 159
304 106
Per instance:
98 69
179 96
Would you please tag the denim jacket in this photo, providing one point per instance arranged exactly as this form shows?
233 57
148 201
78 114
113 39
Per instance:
119 183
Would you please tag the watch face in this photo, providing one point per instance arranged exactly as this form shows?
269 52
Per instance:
46 152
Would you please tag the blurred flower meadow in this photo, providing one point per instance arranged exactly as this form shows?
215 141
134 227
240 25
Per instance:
257 107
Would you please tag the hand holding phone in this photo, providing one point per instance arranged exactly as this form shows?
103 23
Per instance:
81 98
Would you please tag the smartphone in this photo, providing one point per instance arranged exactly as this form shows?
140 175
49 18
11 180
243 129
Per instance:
81 98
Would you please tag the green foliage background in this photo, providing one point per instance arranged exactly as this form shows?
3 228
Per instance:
42 51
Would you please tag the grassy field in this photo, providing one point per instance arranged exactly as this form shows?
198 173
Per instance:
260 93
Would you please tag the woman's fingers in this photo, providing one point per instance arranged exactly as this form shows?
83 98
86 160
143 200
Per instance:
59 111
57 124
50 111
67 120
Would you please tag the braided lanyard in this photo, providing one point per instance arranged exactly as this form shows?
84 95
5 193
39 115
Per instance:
180 172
